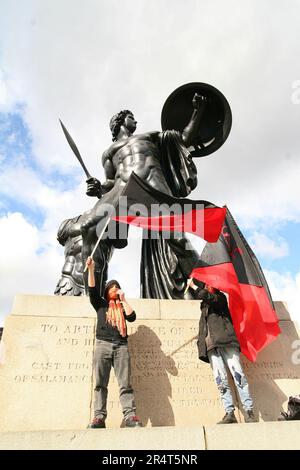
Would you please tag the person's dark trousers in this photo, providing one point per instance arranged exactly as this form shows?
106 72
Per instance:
108 354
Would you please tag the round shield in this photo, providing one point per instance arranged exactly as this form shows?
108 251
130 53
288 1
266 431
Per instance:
215 122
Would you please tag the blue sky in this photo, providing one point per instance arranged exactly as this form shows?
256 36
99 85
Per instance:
105 57
16 151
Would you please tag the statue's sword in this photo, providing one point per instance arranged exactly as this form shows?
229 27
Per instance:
75 149
79 158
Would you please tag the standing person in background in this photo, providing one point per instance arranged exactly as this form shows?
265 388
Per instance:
218 345
111 349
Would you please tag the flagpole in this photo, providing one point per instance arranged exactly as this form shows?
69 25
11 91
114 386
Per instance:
106 224
98 241
188 285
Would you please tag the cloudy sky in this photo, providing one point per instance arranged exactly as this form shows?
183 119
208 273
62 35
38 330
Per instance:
83 61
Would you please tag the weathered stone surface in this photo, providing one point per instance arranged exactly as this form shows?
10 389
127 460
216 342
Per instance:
146 308
52 305
70 306
254 436
45 373
46 376
179 309
172 387
102 439
276 374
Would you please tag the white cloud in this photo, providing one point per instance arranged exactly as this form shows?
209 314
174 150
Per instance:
286 288
266 247
23 270
84 62
24 185
7 98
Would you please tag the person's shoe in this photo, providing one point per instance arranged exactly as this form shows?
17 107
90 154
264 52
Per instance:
97 423
229 418
249 417
133 422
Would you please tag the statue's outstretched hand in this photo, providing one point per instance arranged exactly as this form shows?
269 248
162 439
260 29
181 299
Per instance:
199 101
94 188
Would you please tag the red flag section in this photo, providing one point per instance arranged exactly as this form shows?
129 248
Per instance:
231 266
148 208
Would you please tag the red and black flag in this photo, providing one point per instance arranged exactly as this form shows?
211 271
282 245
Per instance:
231 266
148 208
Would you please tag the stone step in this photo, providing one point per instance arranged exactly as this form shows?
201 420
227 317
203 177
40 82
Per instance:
260 436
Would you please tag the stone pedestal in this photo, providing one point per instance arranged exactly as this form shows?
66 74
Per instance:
46 367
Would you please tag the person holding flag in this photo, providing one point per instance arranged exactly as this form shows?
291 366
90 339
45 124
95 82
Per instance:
111 349
231 266
218 344
249 323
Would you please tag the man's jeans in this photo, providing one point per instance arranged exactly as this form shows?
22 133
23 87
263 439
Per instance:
219 358
108 354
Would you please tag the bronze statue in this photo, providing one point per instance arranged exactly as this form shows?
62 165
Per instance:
162 160
72 281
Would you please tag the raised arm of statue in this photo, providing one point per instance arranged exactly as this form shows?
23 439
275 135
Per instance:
190 132
109 172
94 188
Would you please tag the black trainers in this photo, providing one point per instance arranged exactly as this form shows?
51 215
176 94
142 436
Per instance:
97 423
229 418
133 422
249 417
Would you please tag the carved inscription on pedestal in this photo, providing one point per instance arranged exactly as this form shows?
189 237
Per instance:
46 377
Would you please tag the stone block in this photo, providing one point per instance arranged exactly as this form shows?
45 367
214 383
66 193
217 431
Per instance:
103 439
254 436
146 309
46 367
276 373
172 387
180 309
46 373
52 305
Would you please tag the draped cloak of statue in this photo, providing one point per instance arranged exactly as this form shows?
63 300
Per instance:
166 264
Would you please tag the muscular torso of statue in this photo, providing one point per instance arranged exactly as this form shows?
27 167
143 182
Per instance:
138 153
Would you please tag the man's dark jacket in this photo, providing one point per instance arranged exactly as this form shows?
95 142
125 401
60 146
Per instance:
104 330
216 321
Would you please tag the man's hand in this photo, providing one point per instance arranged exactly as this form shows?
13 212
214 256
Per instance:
192 284
121 295
90 264
93 188
189 284
199 101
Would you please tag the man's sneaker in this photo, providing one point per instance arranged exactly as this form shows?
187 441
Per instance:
97 423
133 422
229 418
249 417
